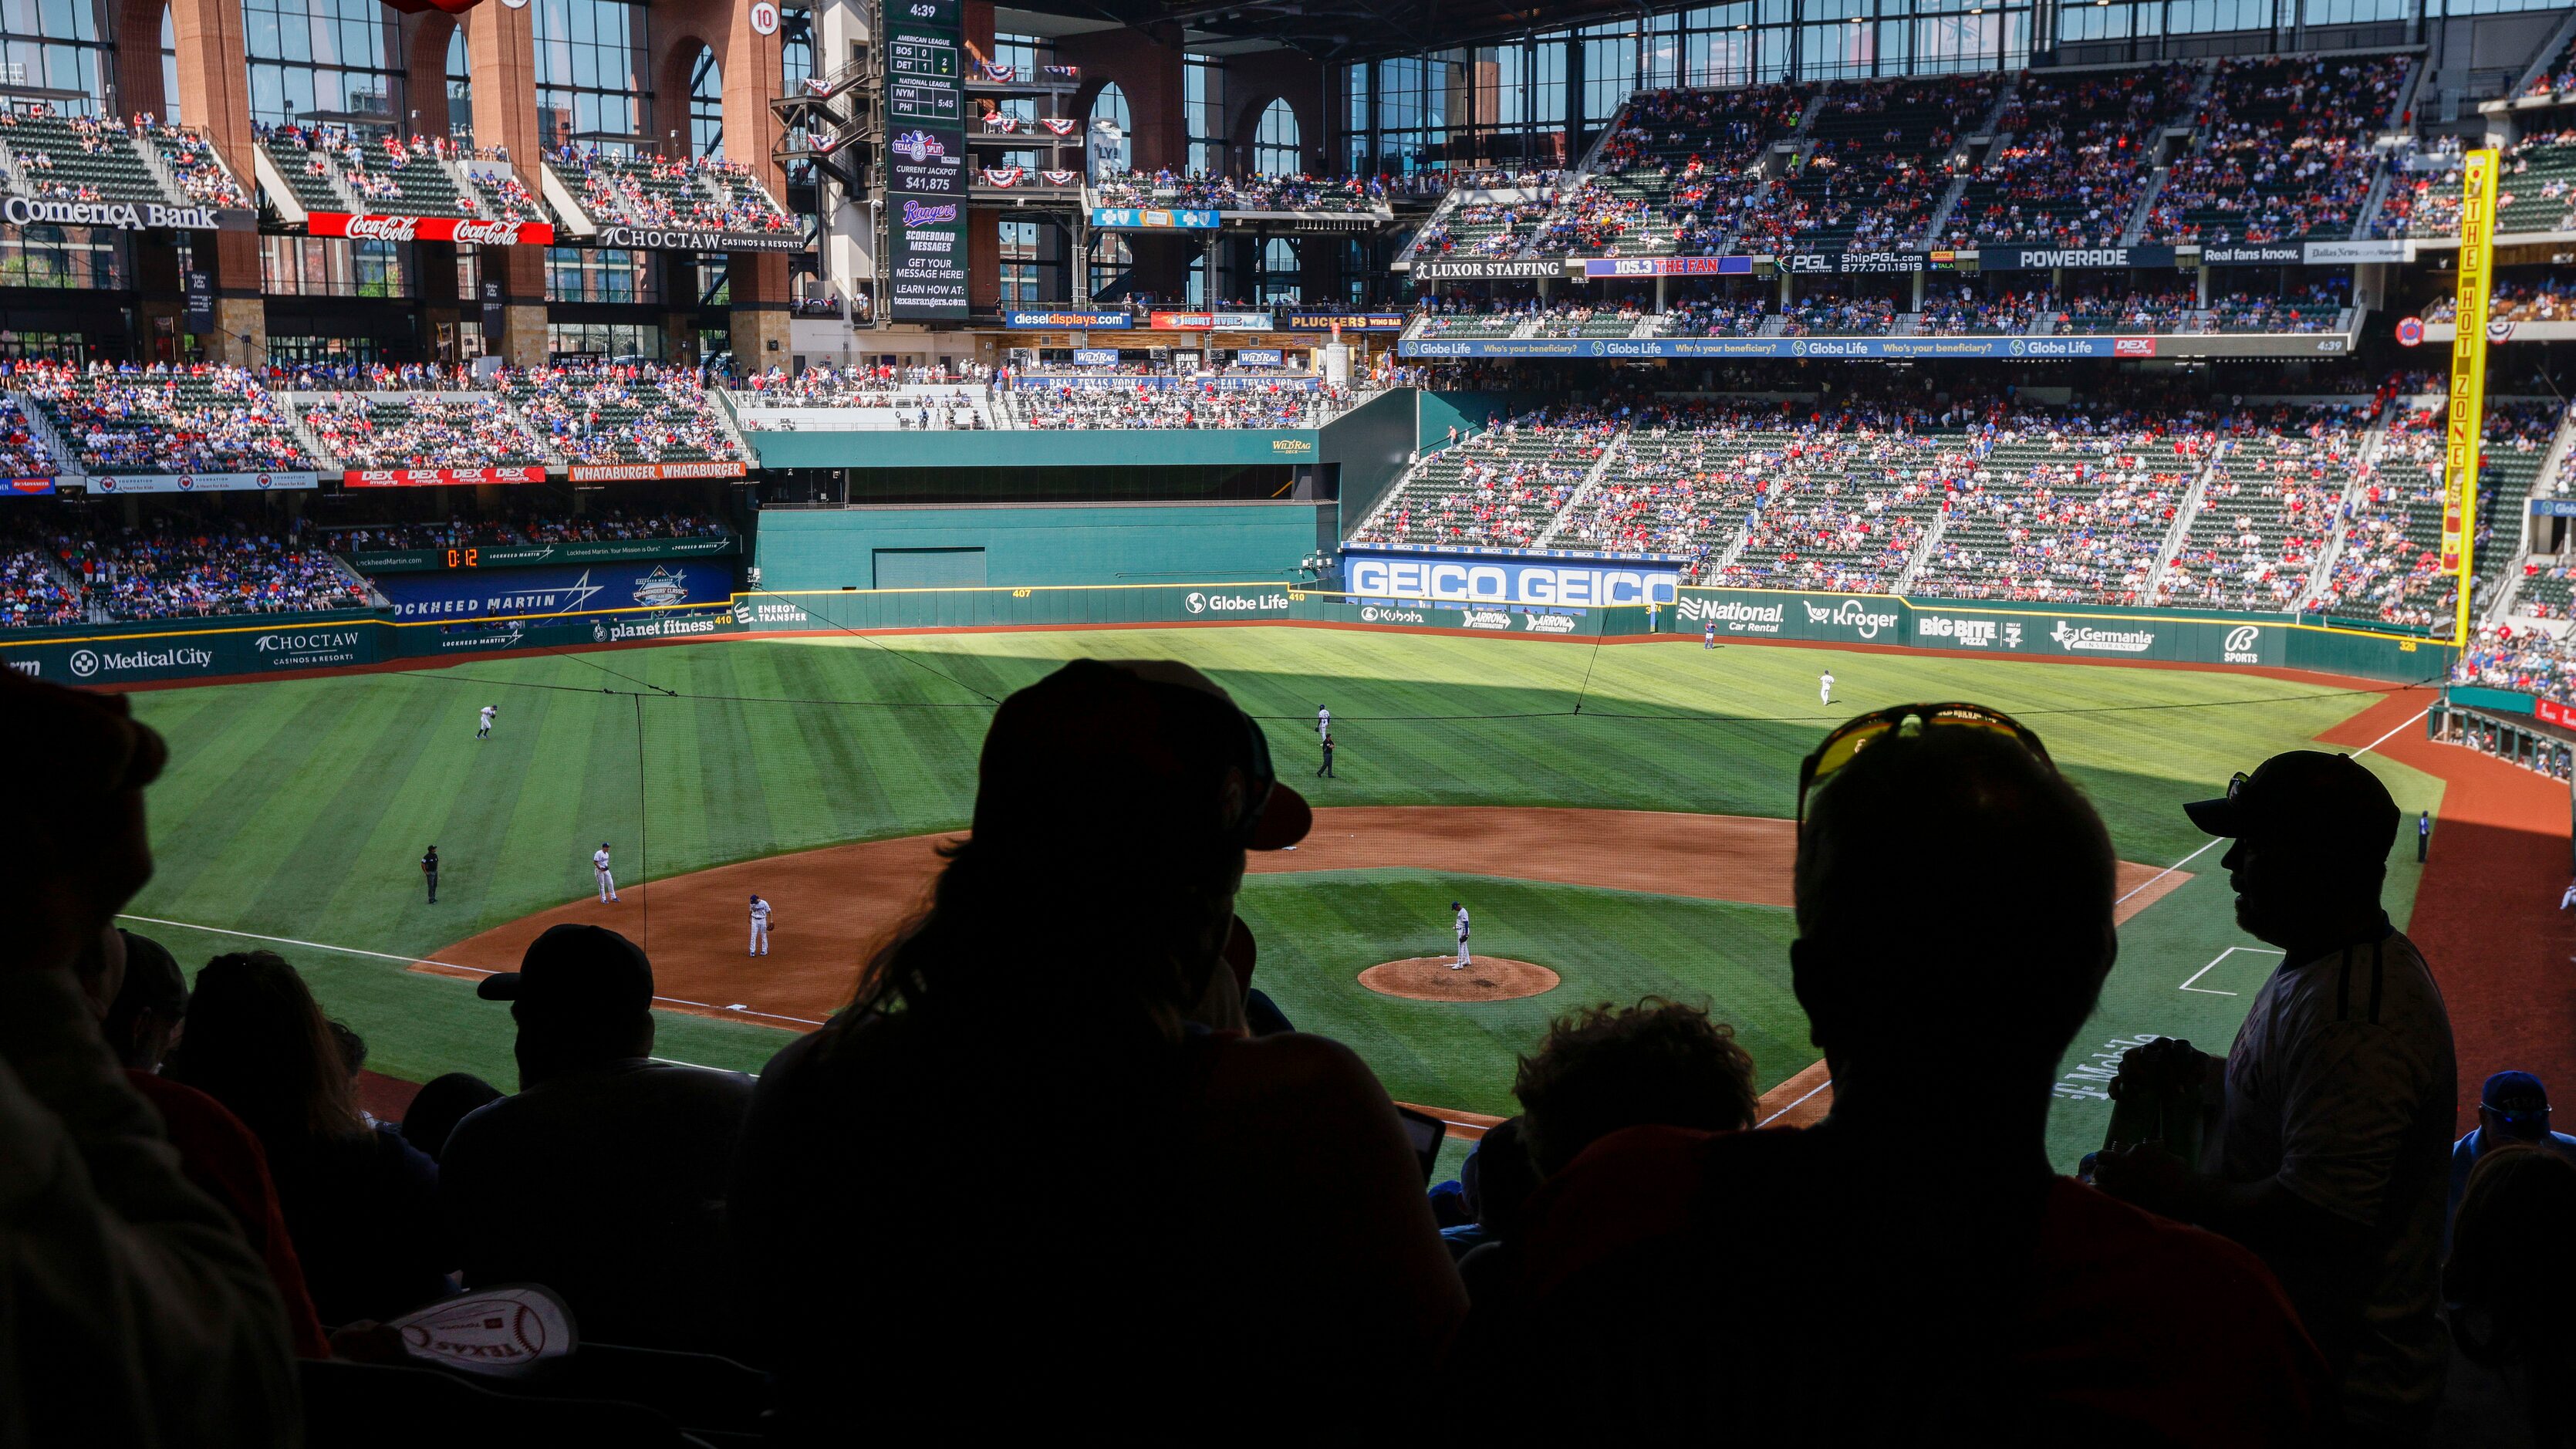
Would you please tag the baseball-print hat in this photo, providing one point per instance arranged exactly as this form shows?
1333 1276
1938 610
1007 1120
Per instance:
577 971
2305 797
1144 747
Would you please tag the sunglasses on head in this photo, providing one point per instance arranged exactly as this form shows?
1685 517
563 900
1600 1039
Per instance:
1848 739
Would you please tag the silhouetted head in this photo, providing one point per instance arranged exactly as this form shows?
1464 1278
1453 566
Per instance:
2511 1278
582 997
144 1021
2514 1107
439 1105
258 1043
2312 833
1952 888
1658 1063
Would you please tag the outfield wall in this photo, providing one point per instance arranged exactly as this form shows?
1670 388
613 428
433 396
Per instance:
987 546
166 652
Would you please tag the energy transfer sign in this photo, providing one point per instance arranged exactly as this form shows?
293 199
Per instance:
2468 375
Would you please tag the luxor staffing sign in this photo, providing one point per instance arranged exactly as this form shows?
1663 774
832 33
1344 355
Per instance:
2468 379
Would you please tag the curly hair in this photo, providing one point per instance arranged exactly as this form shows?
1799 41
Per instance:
1607 1067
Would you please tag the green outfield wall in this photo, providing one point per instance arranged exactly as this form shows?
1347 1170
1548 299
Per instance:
979 546
1037 448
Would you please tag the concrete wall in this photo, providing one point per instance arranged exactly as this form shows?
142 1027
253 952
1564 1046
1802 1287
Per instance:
1029 547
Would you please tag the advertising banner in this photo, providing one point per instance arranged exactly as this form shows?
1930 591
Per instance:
1493 271
1150 218
1031 321
1651 267
1208 321
2090 259
522 555
1095 357
1795 346
437 477
199 482
2253 254
28 487
1485 579
198 312
2337 253
141 653
926 161
694 239
1347 321
125 215
430 228
1851 263
926 273
1259 356
652 472
1979 627
556 590
1130 381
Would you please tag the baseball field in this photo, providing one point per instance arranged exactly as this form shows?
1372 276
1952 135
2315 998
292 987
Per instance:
1548 784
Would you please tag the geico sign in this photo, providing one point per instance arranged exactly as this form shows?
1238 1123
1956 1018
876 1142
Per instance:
1455 582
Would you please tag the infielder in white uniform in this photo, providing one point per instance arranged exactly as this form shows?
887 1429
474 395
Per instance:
1461 963
607 881
759 926
483 731
1825 686
1323 722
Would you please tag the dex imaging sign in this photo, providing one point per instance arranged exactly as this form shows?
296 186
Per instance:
1511 581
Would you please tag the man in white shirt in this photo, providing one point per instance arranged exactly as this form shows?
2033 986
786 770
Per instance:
1461 963
759 926
2334 1143
1825 686
1323 722
607 880
483 729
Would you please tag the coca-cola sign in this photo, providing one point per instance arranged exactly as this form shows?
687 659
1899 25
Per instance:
436 477
431 228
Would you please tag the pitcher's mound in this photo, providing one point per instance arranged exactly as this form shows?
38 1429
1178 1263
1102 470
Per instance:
1431 978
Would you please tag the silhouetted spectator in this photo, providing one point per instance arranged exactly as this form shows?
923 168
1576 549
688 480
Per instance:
2513 1108
2331 1158
145 1017
439 1105
1608 1067
2511 1282
1909 1270
1146 1155
134 1312
604 1177
1496 1180
360 1202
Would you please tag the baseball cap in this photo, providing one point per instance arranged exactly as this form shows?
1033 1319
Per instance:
1138 748
2517 1097
2329 801
576 970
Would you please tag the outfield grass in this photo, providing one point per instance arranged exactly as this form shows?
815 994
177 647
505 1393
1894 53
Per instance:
297 808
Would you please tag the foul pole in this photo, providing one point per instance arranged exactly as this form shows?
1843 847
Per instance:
2468 382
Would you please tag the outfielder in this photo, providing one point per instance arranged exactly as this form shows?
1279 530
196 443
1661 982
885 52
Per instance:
1825 686
607 880
1323 722
483 730
759 926
1461 963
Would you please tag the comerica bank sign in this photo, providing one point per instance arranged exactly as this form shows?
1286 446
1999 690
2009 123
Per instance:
1503 580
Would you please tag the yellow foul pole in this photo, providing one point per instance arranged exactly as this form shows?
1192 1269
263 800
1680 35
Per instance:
2468 382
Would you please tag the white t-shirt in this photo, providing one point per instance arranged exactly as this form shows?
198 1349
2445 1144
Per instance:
759 911
487 712
2342 1084
1462 923
1323 721
599 858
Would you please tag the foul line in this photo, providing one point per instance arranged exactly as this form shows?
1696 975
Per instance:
1793 1106
430 961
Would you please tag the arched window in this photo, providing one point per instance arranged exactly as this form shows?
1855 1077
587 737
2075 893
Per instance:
1278 281
1274 147
1111 106
706 106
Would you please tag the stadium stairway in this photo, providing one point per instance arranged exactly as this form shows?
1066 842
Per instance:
2365 466
40 426
2504 605
1591 484
2192 498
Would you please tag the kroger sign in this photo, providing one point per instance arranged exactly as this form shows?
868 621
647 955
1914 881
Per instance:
1510 581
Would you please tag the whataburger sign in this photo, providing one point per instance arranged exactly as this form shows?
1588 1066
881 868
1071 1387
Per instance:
430 228
435 477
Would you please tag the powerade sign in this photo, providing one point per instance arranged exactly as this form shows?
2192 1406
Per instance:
2073 259
560 592
1505 581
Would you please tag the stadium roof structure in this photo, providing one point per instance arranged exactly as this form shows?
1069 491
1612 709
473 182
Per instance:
1336 30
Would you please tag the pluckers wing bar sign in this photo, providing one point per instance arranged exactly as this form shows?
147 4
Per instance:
696 239
436 477
124 215
431 228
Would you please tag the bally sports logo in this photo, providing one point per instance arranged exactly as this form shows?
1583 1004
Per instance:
2083 638
1851 614
2238 648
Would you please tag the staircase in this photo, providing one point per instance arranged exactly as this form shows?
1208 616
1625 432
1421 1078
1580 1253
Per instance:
2365 468
2550 483
1923 553
1610 456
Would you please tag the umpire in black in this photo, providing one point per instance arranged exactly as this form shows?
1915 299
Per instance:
429 871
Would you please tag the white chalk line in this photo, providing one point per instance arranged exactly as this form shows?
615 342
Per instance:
1793 1106
428 961
2213 963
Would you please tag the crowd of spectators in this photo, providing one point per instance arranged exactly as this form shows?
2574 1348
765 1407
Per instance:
2526 660
1971 312
1181 405
2335 1268
620 413
192 418
2268 507
527 528
34 589
174 568
2076 153
193 164
418 430
705 192
1257 192
2158 309
2315 308
1832 314
2516 299
2284 152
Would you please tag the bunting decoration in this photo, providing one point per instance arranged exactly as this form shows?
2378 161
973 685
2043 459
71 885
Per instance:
1002 73
1060 178
1058 125
996 121
1003 175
